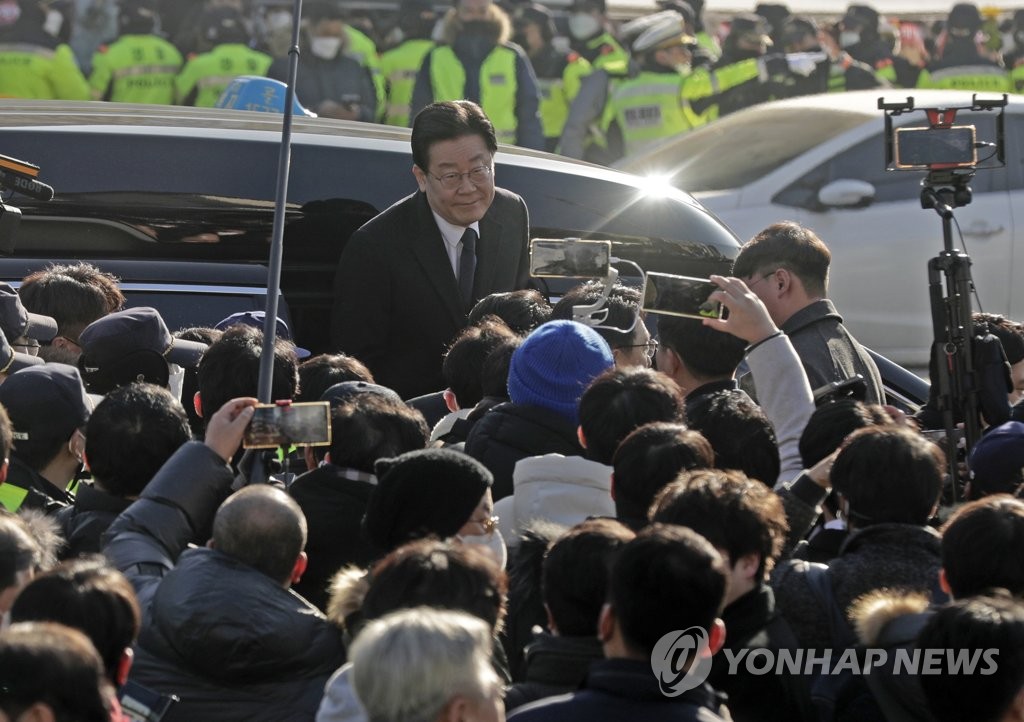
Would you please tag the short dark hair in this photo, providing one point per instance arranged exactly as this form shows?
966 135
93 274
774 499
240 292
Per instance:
230 368
130 434
190 383
888 474
667 578
321 372
522 310
56 665
731 511
447 121
442 574
494 375
975 626
623 305
19 550
651 457
791 246
464 361
263 527
830 424
575 574
621 400
74 295
739 432
367 427
706 352
981 545
87 594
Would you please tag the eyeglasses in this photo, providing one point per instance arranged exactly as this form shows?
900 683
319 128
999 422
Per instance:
767 275
26 345
452 181
650 348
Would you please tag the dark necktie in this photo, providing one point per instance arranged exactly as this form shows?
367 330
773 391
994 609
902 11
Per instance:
467 266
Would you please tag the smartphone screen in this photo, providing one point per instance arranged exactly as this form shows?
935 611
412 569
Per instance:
926 147
680 296
569 258
277 425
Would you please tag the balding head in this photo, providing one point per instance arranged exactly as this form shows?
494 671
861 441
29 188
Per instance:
263 527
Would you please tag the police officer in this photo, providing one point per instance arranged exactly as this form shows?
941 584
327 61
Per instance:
834 70
649 106
361 48
588 28
478 63
205 76
33 63
416 21
139 67
961 66
559 74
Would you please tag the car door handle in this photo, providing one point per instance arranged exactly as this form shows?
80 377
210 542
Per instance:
982 230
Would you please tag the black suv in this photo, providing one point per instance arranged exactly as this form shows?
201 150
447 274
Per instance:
144 185
178 202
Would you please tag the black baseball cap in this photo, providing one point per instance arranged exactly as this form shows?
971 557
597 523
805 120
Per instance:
108 339
16 320
46 403
11 360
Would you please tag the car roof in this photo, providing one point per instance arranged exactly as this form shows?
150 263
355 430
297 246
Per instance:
866 101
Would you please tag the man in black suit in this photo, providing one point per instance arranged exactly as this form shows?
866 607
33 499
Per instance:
408 277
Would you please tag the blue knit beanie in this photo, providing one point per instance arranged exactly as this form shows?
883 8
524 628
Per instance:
555 364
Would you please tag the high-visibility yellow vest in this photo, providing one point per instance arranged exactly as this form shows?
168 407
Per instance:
977 78
648 107
556 95
399 67
136 69
497 85
12 497
37 72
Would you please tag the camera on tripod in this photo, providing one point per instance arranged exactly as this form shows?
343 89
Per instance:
970 376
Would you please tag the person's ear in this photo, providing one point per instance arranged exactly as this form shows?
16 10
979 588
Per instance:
456 709
611 490
38 712
748 564
421 177
672 362
716 637
124 665
211 544
85 461
197 404
581 437
301 562
944 582
450 401
3 470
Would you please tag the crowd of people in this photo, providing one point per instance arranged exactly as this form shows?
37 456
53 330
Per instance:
574 82
573 520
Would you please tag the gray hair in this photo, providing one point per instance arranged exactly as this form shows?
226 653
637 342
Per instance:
441 654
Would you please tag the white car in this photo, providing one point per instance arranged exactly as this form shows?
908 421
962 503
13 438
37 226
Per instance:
820 160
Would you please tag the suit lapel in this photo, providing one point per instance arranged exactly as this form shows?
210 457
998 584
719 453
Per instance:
428 247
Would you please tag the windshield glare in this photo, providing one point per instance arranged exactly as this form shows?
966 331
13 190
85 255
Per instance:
741 148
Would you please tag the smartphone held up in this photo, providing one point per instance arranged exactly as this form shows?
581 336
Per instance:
681 296
285 424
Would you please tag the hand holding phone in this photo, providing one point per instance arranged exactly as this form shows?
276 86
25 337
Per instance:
285 424
748 318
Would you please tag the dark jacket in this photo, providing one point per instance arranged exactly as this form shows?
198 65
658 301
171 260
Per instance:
225 638
340 79
753 622
510 432
626 690
895 556
334 505
47 497
84 522
554 665
397 303
828 351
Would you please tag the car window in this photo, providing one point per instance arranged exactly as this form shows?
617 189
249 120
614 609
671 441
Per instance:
866 161
741 148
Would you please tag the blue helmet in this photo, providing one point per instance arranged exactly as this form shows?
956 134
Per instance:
252 92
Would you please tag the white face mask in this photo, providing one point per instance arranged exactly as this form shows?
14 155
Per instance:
494 543
326 47
53 23
583 25
682 68
175 380
278 19
848 38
